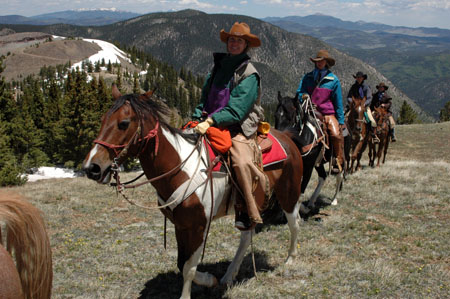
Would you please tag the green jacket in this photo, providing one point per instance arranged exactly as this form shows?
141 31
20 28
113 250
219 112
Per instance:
243 108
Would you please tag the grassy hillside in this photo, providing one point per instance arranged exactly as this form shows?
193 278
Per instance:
388 237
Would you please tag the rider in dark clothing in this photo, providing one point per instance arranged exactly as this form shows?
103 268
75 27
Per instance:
381 98
360 90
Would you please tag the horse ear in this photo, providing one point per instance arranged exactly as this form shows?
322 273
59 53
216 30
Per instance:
149 93
115 92
279 97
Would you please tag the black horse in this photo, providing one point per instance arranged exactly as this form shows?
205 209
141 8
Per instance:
300 124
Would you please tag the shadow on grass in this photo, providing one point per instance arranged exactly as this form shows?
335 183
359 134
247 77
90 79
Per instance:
169 285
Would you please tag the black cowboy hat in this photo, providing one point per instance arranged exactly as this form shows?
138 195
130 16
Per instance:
382 85
360 74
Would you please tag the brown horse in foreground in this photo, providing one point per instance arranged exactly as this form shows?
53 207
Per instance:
376 150
27 241
178 166
359 131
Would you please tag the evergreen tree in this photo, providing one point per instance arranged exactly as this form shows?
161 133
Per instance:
9 170
444 114
10 173
407 114
136 88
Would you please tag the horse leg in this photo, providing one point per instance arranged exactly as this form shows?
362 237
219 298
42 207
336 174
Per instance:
190 245
386 149
308 166
293 220
233 268
339 180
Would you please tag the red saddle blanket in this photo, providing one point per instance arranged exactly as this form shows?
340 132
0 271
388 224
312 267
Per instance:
276 154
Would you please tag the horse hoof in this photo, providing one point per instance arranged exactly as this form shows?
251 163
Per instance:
334 202
215 282
226 281
290 260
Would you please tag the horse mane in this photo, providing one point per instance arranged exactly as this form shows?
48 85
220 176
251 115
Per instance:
148 107
27 238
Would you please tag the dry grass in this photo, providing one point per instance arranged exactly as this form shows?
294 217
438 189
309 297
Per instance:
389 237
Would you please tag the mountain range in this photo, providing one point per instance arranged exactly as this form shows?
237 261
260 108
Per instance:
74 17
188 38
416 60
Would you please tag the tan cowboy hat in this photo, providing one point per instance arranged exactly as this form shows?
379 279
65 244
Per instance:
323 54
382 85
243 31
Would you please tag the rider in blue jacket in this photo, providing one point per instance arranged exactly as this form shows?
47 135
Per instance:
324 89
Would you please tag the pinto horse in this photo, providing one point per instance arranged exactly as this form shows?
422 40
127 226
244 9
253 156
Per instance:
177 167
290 116
376 150
356 123
26 239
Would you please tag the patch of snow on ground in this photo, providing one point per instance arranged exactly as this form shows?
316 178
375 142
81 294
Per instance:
45 172
109 52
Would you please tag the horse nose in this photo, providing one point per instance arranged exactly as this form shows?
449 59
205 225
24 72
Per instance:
93 171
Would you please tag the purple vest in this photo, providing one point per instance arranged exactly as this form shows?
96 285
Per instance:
218 98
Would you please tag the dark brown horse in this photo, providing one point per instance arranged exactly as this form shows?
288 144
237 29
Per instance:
178 168
26 239
381 116
356 123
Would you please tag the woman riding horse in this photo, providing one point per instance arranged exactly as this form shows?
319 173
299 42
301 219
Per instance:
231 99
325 91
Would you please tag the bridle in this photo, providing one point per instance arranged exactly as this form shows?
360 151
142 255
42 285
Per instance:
356 120
153 133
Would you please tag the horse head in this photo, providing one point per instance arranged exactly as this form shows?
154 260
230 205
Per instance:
287 114
381 118
125 132
356 115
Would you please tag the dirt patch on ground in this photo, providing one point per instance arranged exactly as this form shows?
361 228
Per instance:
25 59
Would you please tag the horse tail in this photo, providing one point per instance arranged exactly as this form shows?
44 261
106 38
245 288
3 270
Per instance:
27 241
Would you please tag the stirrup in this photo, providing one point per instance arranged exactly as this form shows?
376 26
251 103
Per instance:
375 138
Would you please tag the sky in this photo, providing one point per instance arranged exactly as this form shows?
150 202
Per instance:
410 13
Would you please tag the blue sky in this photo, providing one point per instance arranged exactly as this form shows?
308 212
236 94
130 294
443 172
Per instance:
411 13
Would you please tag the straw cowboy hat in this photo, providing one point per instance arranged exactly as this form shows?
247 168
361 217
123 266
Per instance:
382 85
323 54
241 30
360 75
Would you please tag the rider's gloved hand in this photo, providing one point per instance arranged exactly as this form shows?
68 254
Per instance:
305 96
202 127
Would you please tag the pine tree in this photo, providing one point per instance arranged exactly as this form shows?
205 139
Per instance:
407 114
136 88
444 114
9 170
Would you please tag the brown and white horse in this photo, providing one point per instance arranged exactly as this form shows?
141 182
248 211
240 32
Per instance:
358 128
26 239
376 150
178 169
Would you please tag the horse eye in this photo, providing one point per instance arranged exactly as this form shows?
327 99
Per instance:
123 125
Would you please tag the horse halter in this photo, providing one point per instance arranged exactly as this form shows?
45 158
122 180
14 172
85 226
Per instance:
153 133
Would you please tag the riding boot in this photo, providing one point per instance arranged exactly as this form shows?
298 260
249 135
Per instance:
374 135
392 133
247 166
337 140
